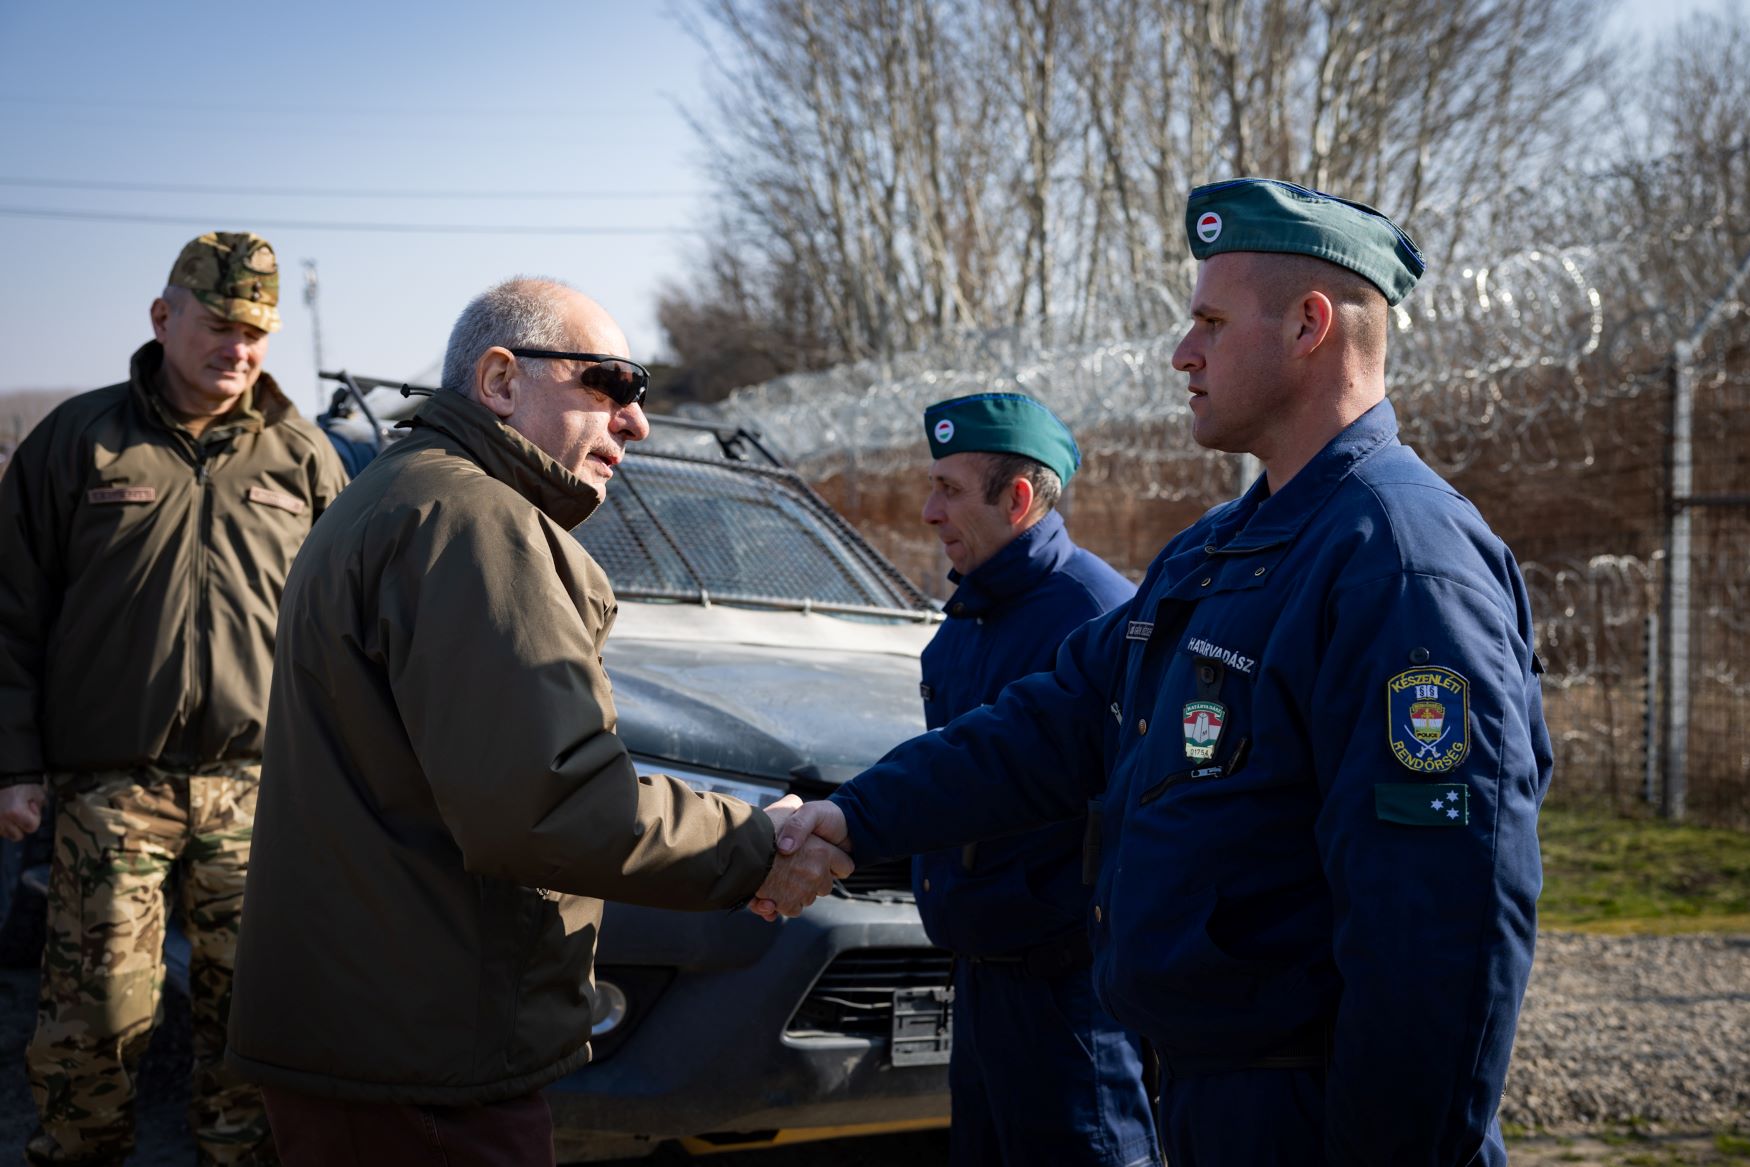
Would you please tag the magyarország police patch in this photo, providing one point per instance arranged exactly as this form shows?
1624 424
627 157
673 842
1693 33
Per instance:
1428 712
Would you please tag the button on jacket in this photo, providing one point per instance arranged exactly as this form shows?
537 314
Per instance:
1328 831
142 575
441 770
1006 619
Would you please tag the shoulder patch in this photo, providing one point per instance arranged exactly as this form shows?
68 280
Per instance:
1428 718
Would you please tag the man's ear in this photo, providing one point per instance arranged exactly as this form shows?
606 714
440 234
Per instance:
495 381
1018 500
160 318
1309 323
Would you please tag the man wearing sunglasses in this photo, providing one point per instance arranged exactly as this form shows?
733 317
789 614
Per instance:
445 803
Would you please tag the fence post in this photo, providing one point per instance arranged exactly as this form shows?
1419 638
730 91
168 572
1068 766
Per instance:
1654 707
1247 468
1678 541
1676 602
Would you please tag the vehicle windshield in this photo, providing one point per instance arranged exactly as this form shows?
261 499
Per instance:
687 529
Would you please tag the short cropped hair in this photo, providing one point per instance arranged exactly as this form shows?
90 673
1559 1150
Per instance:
1002 469
521 312
178 297
1282 279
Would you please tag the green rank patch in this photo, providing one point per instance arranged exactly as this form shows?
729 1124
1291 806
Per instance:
1422 804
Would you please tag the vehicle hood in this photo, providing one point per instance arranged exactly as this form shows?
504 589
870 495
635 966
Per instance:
764 709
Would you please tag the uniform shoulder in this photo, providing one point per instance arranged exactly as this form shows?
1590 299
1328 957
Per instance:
300 434
441 484
284 420
1102 583
79 412
1411 519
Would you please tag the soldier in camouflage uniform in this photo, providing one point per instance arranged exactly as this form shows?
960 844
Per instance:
147 530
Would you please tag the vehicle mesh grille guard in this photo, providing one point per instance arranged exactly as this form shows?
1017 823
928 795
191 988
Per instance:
678 528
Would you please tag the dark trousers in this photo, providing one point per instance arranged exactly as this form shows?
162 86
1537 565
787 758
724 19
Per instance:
1041 1077
328 1132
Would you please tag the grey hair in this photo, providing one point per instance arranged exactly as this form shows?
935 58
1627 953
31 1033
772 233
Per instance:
178 297
521 312
1004 468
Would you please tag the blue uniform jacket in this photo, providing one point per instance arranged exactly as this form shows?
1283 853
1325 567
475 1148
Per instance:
1008 618
1358 852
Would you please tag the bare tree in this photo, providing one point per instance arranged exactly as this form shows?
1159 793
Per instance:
905 168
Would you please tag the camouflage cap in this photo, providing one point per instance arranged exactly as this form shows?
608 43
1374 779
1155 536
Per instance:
233 273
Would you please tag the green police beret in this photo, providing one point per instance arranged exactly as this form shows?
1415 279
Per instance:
1262 214
1001 423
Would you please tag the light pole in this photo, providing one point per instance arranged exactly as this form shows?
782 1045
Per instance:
311 287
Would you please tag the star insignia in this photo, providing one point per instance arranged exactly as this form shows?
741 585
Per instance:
1436 805
1452 814
1452 796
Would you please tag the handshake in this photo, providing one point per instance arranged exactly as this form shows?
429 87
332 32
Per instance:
813 850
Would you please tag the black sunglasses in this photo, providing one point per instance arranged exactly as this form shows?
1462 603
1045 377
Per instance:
617 378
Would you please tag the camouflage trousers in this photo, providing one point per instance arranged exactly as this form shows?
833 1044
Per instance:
117 837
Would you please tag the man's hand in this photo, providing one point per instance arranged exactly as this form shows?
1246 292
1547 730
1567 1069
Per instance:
782 809
813 848
21 809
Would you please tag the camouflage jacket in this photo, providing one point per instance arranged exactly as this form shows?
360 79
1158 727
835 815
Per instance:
142 578
441 769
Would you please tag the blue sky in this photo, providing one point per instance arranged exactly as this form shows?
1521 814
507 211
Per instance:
573 97
522 95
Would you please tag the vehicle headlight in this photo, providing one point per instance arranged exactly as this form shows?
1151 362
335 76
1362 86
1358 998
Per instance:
749 790
610 1009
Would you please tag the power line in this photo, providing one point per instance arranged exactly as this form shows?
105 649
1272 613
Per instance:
321 225
331 192
349 109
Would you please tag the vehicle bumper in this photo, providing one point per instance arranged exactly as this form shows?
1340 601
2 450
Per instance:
711 1056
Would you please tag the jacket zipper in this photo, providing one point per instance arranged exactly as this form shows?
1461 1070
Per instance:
192 695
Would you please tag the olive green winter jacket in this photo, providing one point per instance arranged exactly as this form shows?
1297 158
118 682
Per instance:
140 576
441 770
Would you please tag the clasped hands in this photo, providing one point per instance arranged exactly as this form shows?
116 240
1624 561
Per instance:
813 850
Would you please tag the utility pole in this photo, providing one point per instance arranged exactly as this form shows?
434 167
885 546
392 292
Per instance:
310 301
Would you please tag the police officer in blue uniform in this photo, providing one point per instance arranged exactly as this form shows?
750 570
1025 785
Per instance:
1315 739
1039 1074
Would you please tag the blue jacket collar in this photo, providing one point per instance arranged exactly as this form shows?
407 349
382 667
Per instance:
1260 519
1028 558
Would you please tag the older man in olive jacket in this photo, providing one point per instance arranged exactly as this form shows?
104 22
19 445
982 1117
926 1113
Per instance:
445 803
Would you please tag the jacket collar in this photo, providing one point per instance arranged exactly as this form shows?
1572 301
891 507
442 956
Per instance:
508 456
262 406
1021 564
1260 519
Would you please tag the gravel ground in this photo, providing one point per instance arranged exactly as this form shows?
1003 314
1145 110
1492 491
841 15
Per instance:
1631 1051
1634 1031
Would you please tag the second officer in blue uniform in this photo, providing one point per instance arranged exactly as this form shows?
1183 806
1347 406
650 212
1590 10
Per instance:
1039 1074
1316 736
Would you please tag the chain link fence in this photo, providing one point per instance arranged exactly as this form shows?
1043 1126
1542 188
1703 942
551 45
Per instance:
1592 399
